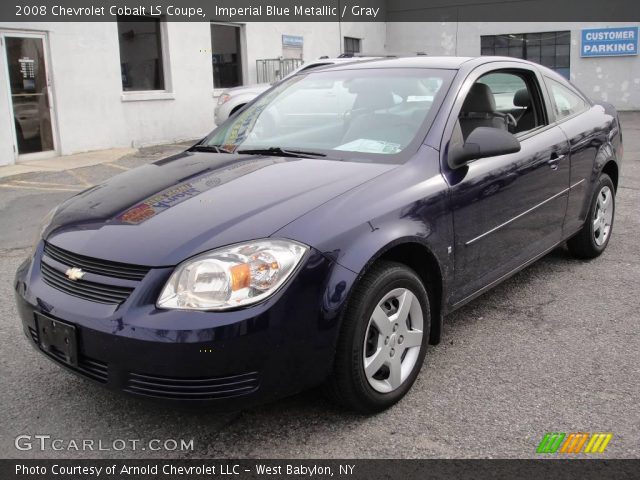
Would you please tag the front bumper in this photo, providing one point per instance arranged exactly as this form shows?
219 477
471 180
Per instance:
230 359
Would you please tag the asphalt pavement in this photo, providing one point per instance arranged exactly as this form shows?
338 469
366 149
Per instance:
554 349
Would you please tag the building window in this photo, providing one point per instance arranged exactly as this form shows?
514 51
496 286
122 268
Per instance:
226 55
550 49
351 45
141 62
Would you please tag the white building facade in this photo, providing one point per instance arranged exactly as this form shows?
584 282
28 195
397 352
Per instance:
73 87
611 78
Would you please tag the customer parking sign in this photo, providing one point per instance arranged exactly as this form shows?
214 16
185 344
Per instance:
609 42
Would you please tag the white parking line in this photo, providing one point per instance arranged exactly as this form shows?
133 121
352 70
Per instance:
44 184
80 178
46 189
114 165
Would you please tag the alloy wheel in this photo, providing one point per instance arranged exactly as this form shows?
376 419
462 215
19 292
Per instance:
393 340
603 216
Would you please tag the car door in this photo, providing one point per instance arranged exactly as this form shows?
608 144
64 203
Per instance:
507 209
585 126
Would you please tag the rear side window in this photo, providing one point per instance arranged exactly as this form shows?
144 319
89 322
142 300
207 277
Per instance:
565 101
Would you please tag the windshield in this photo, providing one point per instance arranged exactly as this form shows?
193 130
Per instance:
365 114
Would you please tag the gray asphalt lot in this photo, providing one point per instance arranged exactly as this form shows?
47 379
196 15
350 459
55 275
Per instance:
554 349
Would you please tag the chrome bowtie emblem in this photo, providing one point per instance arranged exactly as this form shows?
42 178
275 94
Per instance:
74 273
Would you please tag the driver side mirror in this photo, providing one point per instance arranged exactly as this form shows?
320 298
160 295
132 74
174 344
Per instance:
483 142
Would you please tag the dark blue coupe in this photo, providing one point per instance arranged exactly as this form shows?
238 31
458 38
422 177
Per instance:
320 235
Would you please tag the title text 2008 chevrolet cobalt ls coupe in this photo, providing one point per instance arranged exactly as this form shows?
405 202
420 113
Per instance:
320 234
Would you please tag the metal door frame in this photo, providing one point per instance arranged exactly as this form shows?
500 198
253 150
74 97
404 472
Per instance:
4 33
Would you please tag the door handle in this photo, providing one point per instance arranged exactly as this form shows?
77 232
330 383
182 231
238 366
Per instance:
554 160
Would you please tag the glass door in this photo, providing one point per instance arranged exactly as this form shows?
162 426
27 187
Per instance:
29 93
226 55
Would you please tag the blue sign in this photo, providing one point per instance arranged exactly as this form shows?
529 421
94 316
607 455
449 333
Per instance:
292 40
609 42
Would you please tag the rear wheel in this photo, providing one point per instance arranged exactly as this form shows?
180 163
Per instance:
594 236
382 341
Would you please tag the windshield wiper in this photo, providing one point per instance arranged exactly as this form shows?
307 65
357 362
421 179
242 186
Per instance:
282 152
210 148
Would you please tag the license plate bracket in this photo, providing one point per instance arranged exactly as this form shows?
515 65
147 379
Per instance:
58 339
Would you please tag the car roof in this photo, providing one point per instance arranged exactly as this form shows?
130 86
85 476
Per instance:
323 63
409 62
423 61
445 63
336 60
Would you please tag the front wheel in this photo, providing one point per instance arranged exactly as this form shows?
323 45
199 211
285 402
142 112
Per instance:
382 341
594 236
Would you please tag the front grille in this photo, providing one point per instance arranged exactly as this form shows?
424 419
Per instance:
192 389
95 292
93 368
34 335
94 265
89 367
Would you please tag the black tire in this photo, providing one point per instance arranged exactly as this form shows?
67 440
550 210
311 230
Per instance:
236 108
348 385
584 244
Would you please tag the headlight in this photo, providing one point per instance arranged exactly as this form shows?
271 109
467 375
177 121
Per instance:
233 276
224 98
44 223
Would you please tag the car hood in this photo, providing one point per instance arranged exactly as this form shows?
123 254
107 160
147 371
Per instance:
161 213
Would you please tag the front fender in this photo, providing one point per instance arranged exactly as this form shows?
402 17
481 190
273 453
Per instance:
409 204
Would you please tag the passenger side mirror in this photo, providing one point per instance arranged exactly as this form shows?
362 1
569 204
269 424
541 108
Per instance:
483 142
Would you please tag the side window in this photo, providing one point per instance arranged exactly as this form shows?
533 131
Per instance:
565 101
504 87
502 99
